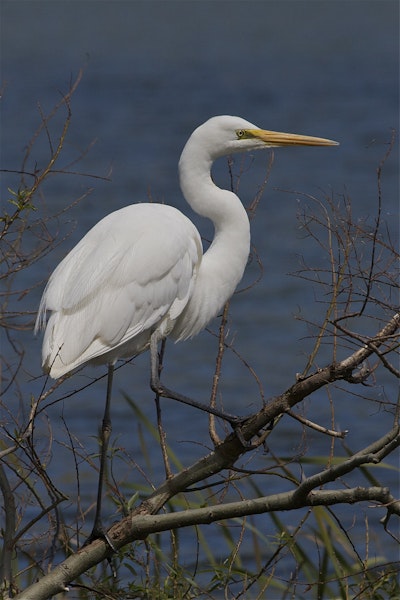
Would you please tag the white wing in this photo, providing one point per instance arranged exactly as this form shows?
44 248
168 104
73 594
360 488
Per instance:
131 274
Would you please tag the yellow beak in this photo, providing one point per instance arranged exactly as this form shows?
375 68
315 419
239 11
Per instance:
275 138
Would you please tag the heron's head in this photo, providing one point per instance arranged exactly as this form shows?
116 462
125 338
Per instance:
225 134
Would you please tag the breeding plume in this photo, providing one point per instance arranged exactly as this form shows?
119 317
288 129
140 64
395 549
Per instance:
140 275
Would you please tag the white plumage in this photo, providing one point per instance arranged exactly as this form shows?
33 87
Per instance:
105 299
140 271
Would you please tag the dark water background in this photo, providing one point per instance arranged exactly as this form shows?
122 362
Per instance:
155 70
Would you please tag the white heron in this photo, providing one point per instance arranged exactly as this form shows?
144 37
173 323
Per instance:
140 275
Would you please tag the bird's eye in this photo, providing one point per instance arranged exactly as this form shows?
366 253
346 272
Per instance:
240 133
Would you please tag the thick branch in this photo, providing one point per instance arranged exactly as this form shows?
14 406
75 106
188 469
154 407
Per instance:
148 524
145 525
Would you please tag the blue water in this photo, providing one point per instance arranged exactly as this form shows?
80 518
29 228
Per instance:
154 71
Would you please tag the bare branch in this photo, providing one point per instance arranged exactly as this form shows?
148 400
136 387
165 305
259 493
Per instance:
142 522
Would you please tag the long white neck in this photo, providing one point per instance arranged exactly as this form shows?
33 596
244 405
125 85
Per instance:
224 262
222 207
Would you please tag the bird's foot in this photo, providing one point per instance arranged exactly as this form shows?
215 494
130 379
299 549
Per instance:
237 430
165 392
234 421
99 533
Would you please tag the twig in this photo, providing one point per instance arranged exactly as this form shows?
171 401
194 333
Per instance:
7 553
217 373
315 426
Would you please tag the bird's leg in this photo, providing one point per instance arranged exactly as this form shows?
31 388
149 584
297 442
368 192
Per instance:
164 392
161 431
98 529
